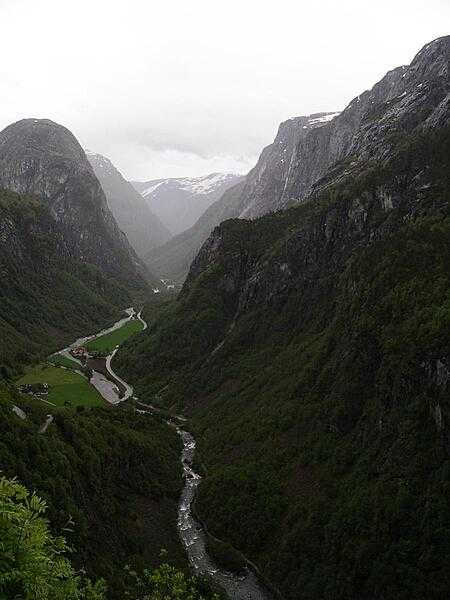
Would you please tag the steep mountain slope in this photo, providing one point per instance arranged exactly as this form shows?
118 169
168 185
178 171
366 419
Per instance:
306 148
66 268
47 297
142 227
311 348
179 202
173 259
44 159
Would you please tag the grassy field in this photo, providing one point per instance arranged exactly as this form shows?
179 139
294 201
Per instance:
108 342
62 361
65 386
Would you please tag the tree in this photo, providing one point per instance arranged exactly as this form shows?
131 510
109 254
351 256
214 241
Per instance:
168 583
33 565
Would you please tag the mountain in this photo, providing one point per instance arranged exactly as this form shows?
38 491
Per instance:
306 148
180 202
310 347
267 178
173 259
66 267
142 227
44 159
47 297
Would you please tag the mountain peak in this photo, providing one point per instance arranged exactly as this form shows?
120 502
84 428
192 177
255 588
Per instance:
39 137
180 201
42 158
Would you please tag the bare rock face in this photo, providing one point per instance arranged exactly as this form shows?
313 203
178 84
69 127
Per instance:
44 159
142 227
305 149
267 185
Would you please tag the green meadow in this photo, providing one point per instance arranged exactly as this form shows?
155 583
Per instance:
109 341
65 386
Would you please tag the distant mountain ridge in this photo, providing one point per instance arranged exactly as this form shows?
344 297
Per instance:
142 227
179 202
308 150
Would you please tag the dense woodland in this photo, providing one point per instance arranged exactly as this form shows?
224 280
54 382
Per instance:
111 480
35 563
322 414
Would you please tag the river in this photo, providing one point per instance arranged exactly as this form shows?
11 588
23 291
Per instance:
246 587
192 534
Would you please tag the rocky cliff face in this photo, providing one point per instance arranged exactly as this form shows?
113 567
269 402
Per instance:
306 148
309 150
179 202
311 347
142 227
44 159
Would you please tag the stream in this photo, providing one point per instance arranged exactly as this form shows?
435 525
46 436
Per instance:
192 534
246 587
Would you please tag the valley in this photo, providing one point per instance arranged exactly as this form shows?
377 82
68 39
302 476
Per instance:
68 386
230 387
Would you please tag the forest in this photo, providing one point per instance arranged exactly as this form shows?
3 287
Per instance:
318 397
95 468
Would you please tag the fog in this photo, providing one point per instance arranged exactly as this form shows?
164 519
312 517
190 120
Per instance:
178 88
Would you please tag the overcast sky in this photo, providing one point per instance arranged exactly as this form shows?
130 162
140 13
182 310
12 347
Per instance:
186 87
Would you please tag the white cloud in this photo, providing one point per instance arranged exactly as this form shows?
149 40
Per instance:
183 88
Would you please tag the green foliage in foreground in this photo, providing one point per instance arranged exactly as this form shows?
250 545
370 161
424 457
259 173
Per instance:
34 564
169 583
65 386
108 342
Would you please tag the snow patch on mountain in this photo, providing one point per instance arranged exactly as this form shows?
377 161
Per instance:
325 118
179 202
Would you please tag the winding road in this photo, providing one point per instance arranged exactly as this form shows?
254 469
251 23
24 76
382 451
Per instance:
105 386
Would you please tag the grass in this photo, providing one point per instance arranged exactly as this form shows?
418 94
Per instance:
65 387
109 341
62 361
